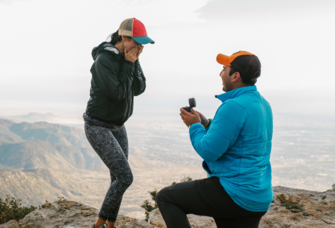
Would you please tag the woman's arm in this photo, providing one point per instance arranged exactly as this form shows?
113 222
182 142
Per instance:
114 80
139 83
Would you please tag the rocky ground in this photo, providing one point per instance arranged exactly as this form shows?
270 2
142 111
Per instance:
292 208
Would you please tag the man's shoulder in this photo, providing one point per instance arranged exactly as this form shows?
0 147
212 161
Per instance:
248 99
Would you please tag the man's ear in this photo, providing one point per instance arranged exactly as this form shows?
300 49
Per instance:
236 77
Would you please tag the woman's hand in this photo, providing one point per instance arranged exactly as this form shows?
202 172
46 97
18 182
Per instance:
133 54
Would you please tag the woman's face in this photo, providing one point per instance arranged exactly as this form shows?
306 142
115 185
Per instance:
130 43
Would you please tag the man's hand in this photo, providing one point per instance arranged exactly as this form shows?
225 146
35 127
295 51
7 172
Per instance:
189 118
133 54
203 119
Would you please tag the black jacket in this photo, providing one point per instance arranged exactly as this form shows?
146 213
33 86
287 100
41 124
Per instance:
115 82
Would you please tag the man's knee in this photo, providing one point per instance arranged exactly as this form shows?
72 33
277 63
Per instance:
161 195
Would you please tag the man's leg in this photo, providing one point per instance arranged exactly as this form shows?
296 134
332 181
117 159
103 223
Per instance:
201 197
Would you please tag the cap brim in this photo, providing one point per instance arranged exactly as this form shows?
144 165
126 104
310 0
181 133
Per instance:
143 40
223 59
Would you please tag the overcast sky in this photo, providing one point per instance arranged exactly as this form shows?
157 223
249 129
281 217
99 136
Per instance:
45 47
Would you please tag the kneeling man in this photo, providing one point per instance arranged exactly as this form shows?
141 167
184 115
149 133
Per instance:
235 146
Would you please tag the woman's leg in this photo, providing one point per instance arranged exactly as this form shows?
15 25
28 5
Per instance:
106 145
122 138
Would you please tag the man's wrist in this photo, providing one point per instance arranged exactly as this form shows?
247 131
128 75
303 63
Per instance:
207 124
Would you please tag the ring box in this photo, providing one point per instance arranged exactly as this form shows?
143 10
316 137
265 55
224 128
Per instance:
192 103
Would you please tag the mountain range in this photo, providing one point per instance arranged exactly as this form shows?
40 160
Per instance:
42 161
41 145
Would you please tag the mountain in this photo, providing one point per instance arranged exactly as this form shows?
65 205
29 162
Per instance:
32 117
42 161
36 186
6 136
41 145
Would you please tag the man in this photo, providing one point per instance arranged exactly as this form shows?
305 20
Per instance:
235 146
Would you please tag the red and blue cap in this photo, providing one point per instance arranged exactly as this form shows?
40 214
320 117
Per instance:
134 28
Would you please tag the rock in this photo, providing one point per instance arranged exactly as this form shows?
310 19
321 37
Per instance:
46 205
156 219
10 224
299 210
290 208
127 222
333 187
63 213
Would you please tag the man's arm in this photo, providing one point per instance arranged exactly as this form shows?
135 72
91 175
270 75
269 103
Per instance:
222 134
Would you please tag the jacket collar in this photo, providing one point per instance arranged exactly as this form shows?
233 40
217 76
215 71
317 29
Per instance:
235 93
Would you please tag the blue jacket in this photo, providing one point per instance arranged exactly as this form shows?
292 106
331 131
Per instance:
236 147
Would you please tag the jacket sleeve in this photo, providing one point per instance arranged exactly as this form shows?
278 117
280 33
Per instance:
222 134
139 83
114 80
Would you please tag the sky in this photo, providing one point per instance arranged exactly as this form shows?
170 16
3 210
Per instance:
45 49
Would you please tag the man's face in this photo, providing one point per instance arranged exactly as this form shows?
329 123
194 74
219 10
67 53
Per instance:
227 85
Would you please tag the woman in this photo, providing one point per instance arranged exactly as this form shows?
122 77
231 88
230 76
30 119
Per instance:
117 77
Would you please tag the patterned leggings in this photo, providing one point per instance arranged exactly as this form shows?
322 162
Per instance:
112 147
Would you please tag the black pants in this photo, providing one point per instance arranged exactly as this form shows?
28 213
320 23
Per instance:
203 197
112 147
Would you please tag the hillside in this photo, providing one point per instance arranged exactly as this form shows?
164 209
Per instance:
42 161
41 145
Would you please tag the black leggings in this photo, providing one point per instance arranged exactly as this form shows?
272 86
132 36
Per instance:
203 197
112 147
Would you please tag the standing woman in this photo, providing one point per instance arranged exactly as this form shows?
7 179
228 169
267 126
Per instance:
117 77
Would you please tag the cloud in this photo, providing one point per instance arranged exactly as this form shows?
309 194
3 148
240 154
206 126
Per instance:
158 13
223 10
9 2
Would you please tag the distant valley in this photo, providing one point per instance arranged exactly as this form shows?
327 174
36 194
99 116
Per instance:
41 161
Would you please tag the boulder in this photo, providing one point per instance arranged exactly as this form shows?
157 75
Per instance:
299 210
156 219
290 208
127 222
63 213
10 224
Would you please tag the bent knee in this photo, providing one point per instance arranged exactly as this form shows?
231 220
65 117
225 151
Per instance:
128 179
161 195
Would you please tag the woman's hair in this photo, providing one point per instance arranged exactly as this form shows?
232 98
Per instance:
115 37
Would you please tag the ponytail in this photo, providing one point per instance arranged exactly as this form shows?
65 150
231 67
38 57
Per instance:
114 38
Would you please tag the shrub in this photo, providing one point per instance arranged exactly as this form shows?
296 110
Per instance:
11 208
150 206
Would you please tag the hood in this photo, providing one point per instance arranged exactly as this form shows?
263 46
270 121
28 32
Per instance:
104 46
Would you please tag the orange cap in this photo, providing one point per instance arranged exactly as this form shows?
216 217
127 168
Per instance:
227 60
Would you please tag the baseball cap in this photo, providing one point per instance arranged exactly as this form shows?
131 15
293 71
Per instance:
134 28
244 62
